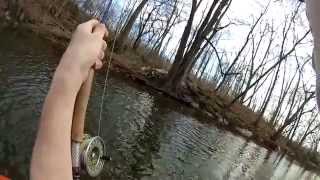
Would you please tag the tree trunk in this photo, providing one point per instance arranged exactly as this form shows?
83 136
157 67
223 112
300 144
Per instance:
169 24
292 118
142 27
185 57
106 12
268 97
126 30
175 74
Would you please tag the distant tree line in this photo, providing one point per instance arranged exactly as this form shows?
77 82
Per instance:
267 73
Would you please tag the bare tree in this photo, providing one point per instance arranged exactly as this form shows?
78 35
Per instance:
129 24
294 115
185 57
237 57
144 20
313 125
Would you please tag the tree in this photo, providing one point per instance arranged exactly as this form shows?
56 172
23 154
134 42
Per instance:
144 19
237 57
106 11
171 21
282 57
185 57
310 130
123 36
294 115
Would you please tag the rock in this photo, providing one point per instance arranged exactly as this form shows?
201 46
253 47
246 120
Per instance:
161 71
15 24
21 17
187 99
223 121
7 15
245 132
195 105
207 113
145 68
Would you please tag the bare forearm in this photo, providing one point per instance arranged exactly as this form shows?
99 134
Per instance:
313 16
51 157
52 149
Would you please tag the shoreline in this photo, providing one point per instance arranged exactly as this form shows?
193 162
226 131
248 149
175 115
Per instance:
237 118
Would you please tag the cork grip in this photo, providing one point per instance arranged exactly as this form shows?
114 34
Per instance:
80 108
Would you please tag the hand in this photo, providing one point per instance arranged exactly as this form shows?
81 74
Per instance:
86 49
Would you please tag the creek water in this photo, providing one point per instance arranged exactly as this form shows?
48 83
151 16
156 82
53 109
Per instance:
147 135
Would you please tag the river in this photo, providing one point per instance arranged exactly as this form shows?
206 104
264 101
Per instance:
147 135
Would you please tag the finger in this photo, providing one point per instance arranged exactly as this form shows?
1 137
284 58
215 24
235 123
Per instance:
100 30
104 46
106 35
101 55
90 25
98 65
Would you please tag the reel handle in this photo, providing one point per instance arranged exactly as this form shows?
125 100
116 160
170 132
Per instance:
80 108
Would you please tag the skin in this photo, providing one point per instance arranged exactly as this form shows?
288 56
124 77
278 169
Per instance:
312 7
51 157
313 13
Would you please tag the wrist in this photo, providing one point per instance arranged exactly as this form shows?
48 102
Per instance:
68 76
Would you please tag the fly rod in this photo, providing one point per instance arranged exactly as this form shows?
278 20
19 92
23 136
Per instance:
88 152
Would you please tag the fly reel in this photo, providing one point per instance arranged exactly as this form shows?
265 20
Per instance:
93 155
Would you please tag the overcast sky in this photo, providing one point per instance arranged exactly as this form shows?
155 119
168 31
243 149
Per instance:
234 36
247 11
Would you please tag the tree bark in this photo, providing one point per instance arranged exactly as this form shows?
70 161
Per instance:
185 57
106 12
127 28
174 77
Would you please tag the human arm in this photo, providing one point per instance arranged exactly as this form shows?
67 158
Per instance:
51 158
313 14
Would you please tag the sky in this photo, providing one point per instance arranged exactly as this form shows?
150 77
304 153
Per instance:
247 11
278 10
233 37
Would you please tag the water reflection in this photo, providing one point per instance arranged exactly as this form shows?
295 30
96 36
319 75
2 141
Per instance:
148 136
24 78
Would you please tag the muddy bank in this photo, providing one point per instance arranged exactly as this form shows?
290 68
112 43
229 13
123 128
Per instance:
55 21
51 20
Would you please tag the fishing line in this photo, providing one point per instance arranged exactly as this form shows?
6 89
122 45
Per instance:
104 93
89 152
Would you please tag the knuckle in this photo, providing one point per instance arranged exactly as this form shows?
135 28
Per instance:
101 55
79 26
104 45
102 25
96 36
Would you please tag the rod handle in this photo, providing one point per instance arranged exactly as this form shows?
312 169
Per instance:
80 108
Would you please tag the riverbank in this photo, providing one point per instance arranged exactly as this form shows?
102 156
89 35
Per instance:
55 22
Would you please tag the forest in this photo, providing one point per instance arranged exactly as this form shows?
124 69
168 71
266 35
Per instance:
250 66
269 72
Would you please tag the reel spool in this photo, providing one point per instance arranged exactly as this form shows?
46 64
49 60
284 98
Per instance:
93 155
